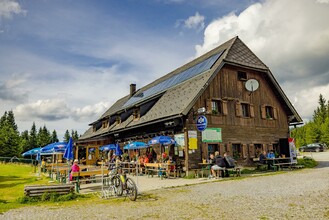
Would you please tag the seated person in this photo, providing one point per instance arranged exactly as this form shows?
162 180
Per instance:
211 159
262 158
270 155
219 165
229 161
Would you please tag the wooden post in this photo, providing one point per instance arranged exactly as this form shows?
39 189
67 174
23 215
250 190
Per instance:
186 150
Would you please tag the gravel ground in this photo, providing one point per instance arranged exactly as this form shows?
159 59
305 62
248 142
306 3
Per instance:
301 194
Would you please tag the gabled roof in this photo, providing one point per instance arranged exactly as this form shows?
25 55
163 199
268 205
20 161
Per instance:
178 91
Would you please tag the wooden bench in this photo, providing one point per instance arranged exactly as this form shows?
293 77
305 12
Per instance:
161 169
38 190
87 176
297 166
281 165
152 169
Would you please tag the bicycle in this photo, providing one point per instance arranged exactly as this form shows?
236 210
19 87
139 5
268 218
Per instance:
120 183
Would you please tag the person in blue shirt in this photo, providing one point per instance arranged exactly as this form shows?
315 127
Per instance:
270 155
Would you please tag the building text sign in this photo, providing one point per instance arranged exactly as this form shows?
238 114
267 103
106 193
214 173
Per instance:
212 135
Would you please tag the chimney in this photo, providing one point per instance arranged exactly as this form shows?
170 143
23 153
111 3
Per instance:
132 89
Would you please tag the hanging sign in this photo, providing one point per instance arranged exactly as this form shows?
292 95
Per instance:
201 123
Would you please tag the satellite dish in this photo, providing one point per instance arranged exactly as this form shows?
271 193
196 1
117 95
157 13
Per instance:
251 85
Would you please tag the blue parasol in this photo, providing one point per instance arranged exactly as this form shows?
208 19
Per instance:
38 158
31 152
135 145
164 140
68 154
118 151
53 148
107 147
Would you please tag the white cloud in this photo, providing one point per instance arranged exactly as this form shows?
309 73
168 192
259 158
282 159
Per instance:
58 109
88 112
291 37
51 110
195 22
323 1
10 7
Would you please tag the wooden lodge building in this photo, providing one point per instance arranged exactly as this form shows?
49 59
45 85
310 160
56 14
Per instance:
245 108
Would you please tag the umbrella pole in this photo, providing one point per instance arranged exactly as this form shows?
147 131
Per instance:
102 178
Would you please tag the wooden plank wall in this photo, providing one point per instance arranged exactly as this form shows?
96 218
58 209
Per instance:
240 130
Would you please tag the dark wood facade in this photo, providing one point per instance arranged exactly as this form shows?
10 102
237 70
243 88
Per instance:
246 135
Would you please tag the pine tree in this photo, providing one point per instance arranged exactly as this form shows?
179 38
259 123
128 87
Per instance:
33 143
54 137
9 136
66 136
43 136
321 113
25 141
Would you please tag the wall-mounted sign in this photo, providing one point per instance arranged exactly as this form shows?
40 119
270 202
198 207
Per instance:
212 135
193 140
201 123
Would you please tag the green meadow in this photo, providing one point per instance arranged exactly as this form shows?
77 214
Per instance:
13 178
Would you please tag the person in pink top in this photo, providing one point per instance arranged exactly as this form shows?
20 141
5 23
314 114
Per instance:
75 168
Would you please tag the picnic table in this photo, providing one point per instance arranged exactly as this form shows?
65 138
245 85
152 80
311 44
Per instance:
280 162
161 169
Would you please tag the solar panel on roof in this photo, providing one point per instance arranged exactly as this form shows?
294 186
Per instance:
174 80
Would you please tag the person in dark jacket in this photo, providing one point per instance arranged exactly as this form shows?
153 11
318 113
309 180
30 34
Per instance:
219 165
229 163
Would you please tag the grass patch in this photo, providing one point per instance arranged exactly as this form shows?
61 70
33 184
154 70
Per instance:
13 178
307 162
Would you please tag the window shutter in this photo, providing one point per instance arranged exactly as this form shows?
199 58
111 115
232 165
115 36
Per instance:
252 150
252 111
244 151
224 105
221 149
238 111
275 113
208 105
263 111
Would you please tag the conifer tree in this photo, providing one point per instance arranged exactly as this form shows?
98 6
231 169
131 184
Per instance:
33 143
66 136
54 137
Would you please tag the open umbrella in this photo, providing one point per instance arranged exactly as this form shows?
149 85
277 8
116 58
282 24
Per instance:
68 153
164 140
107 147
118 151
135 145
31 152
53 148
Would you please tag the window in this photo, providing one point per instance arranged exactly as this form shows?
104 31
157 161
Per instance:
105 124
242 75
136 114
244 109
216 107
118 119
237 151
268 112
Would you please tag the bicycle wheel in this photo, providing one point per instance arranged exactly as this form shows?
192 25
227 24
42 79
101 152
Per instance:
131 189
117 184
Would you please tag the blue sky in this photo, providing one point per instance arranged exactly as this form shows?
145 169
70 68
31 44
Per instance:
63 63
